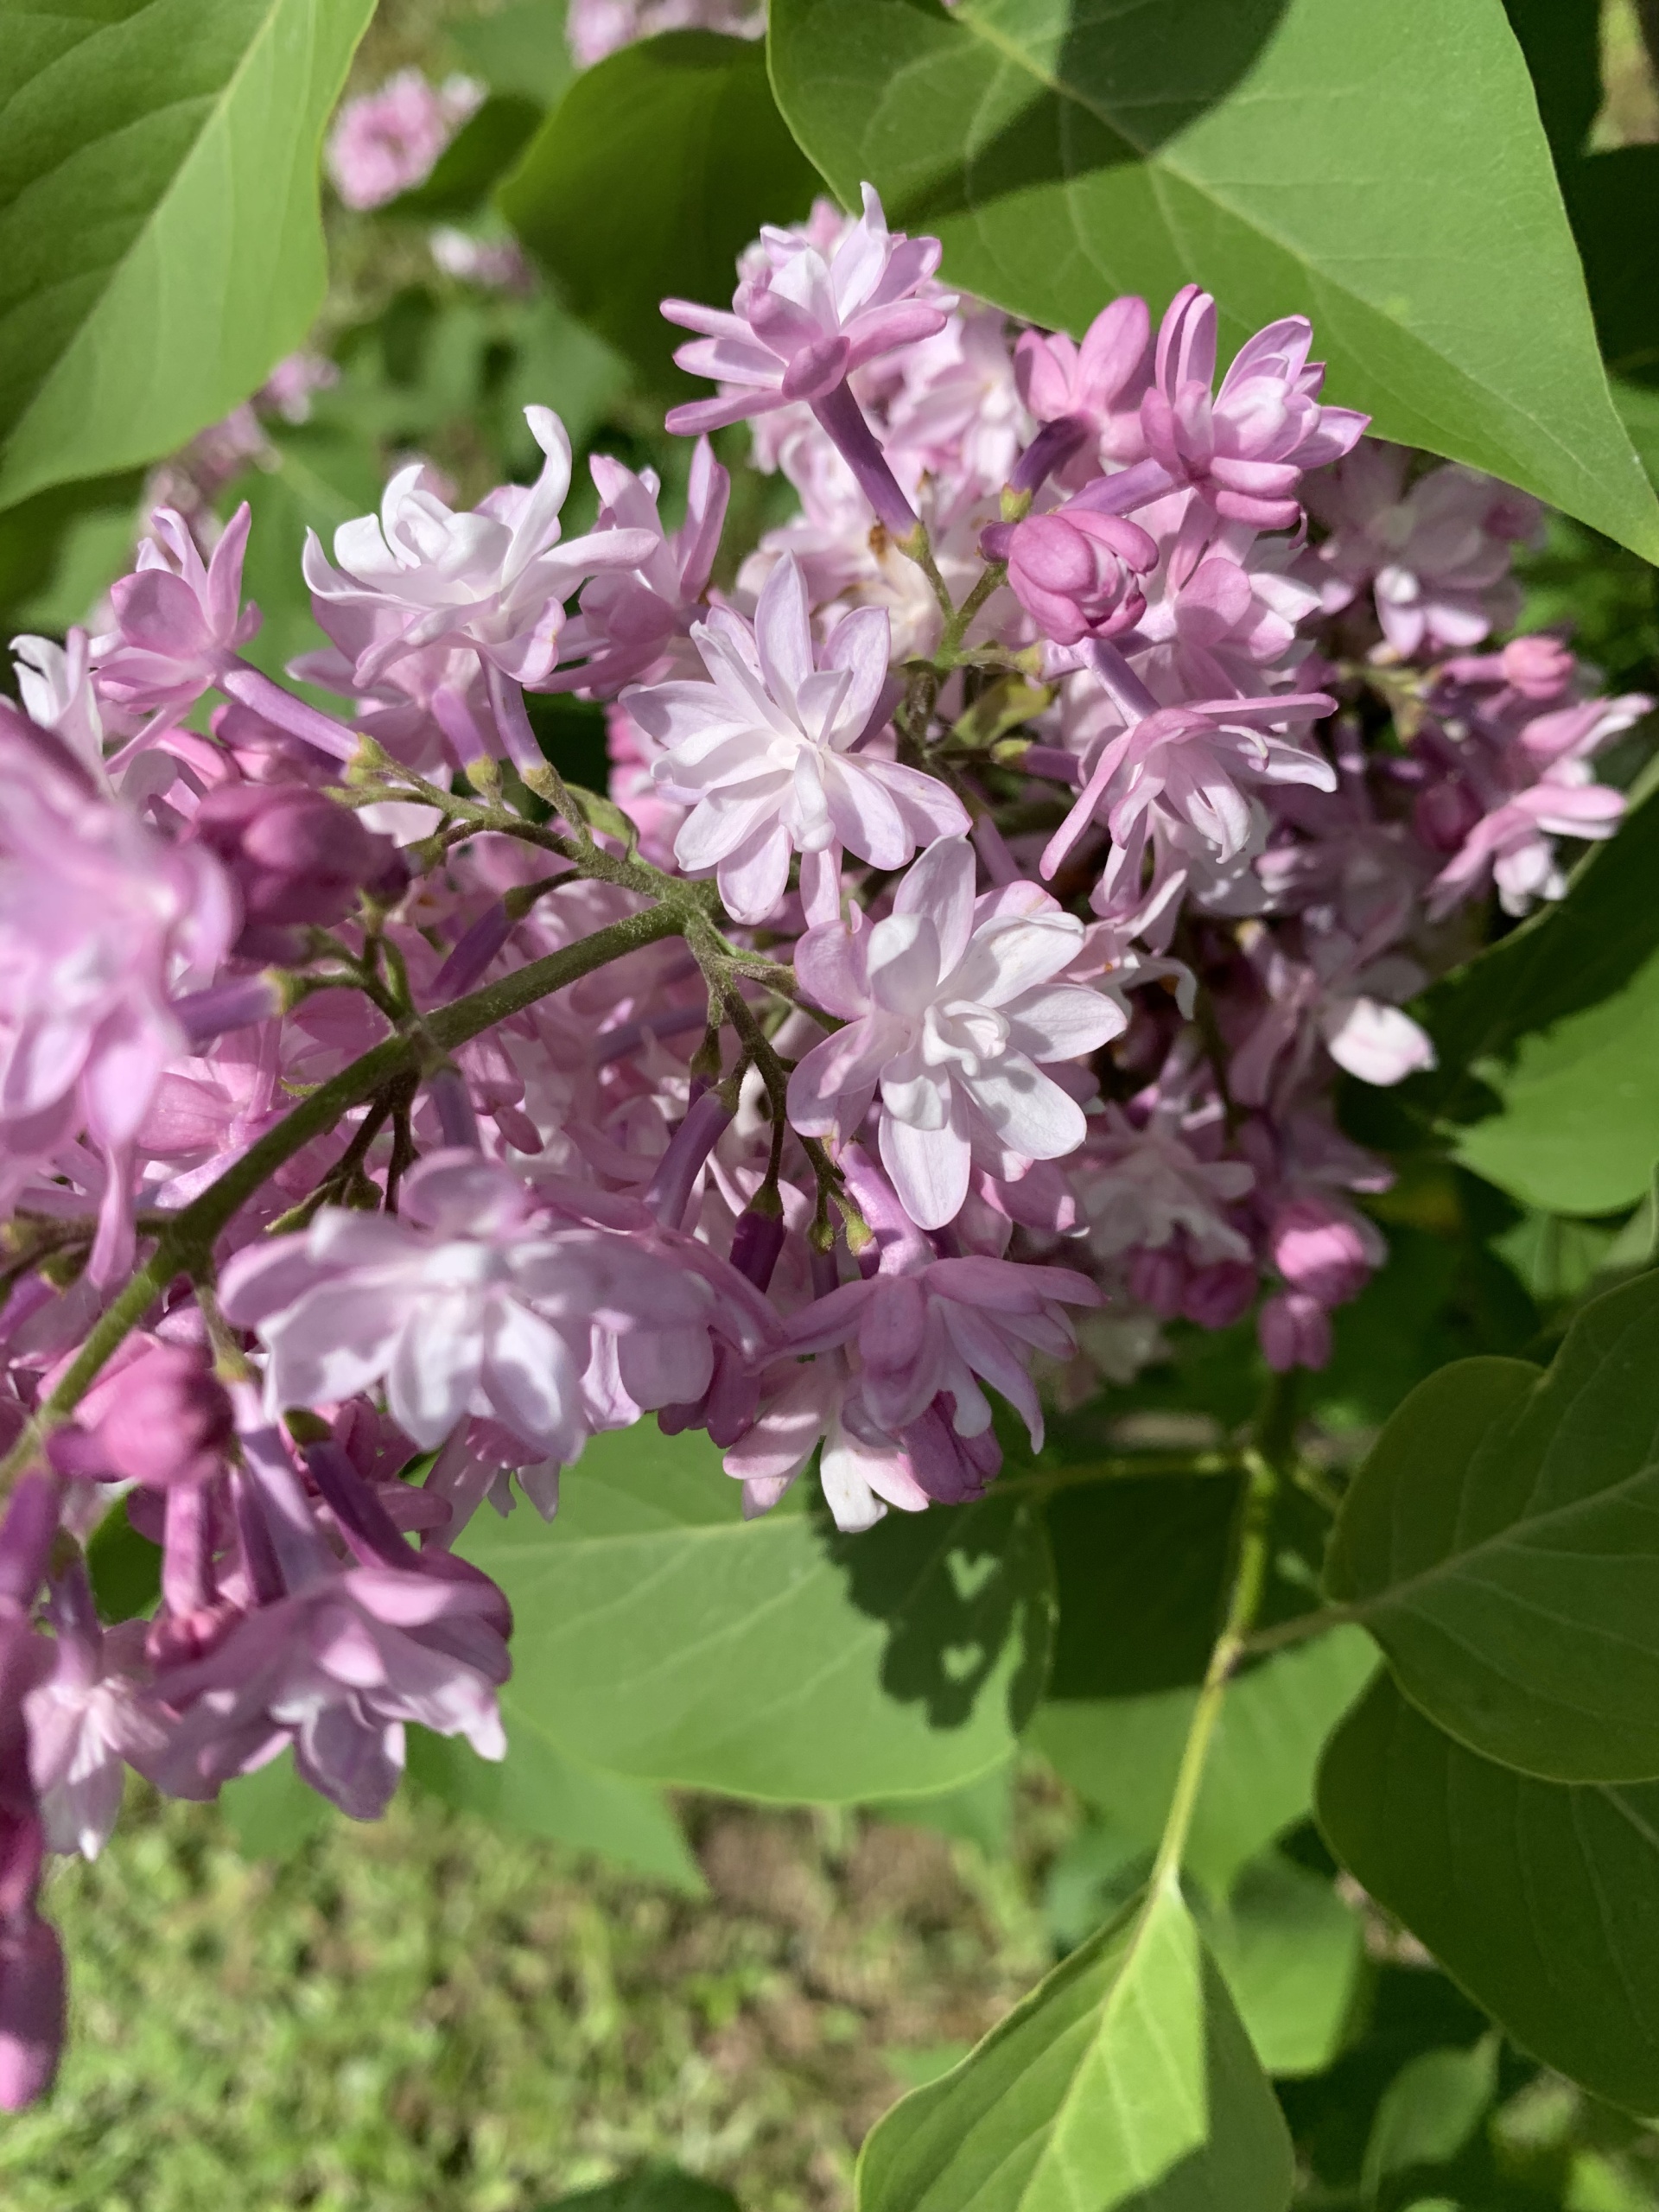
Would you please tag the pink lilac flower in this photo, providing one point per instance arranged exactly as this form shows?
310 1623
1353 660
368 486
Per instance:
178 622
801 323
468 1302
596 28
635 626
1436 554
88 1721
495 579
1087 398
1146 1186
951 1004
100 920
1191 767
385 141
765 753
894 1389
1244 449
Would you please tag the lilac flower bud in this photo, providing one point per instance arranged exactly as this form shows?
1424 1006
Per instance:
1073 572
1539 666
1157 1279
1293 1331
169 1419
1216 1296
31 2011
296 856
756 1242
1444 814
1319 1250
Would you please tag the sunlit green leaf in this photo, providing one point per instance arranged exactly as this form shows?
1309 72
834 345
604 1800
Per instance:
1123 2083
160 242
1382 170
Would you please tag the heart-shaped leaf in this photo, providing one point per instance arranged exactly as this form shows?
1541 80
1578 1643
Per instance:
1382 170
1501 1544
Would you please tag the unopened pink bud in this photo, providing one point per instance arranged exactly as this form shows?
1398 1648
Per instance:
296 856
169 1420
1319 1250
1293 1331
1539 666
1443 816
1218 1296
1074 573
1157 1279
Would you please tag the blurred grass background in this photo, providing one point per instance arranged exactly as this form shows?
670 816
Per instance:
434 2013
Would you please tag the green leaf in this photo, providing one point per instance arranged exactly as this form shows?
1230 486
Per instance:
655 2189
1122 1754
536 1791
1294 1956
653 173
1540 1897
1429 2111
661 1637
1125 2083
475 160
1141 1564
1579 1128
1382 170
1501 1544
124 1567
520 48
160 242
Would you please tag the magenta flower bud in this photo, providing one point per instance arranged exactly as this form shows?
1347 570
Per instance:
1318 1250
1216 1296
1293 1331
1157 1279
1539 666
1444 814
1074 572
26 1535
31 2011
168 1421
296 856
669 1193
756 1242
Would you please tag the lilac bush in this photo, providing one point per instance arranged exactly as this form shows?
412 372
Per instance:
998 876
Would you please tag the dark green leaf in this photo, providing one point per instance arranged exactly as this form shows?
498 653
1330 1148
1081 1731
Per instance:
536 1791
1541 1898
1142 1566
475 160
655 2189
1293 1954
1121 1753
160 244
1501 1543
661 1637
1125 2083
1067 152
654 172
1430 2110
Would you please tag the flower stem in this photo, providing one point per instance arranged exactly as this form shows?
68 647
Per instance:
1249 1578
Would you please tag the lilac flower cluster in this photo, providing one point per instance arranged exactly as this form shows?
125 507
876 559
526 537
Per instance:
949 991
